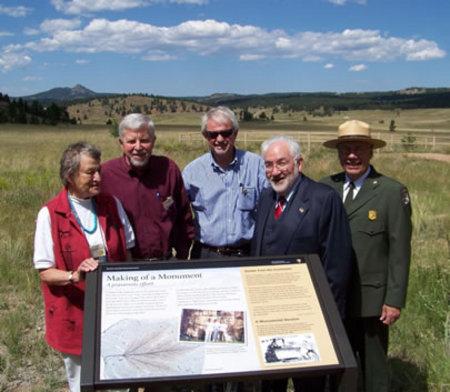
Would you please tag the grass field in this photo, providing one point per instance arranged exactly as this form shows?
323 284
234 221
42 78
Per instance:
29 156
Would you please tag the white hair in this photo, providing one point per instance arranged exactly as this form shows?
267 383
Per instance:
221 114
294 147
135 121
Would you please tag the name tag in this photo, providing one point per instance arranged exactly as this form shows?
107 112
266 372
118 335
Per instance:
97 251
168 203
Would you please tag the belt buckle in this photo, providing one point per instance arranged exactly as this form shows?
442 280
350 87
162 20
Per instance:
225 251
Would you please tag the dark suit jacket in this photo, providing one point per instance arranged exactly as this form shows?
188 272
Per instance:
380 221
314 221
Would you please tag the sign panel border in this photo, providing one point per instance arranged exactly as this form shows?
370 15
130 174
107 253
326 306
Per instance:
345 370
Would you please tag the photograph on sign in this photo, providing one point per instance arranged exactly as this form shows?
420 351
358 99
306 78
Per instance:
290 349
213 326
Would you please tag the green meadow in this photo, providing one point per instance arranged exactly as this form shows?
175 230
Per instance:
29 160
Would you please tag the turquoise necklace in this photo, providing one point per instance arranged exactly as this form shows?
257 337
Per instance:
94 214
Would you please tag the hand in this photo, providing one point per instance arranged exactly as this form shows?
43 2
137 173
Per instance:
86 265
389 314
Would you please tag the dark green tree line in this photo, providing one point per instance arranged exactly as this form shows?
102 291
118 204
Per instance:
20 111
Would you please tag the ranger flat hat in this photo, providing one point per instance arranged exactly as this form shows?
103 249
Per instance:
354 131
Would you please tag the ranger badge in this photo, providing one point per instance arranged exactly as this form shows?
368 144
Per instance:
372 215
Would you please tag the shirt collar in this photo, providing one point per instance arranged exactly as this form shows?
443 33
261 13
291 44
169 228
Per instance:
293 189
233 163
358 182
134 171
289 195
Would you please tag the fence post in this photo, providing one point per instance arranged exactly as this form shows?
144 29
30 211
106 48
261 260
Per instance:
377 151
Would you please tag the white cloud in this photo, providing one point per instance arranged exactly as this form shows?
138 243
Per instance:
5 34
328 66
251 57
358 68
11 59
420 50
75 7
57 25
207 37
82 61
15 12
31 78
86 6
358 44
158 55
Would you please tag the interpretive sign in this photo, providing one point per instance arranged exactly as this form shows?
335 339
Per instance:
208 320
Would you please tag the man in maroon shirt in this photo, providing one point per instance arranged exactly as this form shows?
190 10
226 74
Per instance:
151 190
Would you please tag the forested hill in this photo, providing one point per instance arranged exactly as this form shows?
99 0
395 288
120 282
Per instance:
412 98
65 95
81 105
22 112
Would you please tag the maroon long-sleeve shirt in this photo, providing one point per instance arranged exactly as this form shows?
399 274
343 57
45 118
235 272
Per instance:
156 203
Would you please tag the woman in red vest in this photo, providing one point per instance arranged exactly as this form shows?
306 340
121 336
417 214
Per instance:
74 231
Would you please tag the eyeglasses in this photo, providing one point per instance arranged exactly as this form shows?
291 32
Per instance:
226 133
280 165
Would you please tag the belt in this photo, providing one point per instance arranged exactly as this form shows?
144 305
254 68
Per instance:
242 250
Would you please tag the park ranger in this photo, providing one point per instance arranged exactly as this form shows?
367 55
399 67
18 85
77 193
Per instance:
379 212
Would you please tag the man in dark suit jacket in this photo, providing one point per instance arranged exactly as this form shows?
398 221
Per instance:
298 216
379 213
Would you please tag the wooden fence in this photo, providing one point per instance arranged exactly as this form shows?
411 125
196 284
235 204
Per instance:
394 141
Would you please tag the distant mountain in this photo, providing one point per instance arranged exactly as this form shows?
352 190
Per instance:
65 95
408 98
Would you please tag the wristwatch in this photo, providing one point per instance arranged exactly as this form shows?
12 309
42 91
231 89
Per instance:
70 278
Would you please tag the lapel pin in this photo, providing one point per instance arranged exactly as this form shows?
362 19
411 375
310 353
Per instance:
302 210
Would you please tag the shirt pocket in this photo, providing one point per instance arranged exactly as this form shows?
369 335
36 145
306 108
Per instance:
168 206
374 279
372 229
65 244
247 199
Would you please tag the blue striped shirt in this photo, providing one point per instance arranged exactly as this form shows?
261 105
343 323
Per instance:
225 201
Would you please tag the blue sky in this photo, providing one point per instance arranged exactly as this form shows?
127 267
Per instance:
201 47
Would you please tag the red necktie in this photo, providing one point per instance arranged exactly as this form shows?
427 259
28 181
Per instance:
279 207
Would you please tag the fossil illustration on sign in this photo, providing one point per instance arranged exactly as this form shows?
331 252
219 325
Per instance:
148 348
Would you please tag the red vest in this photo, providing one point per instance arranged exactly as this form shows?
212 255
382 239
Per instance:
64 304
